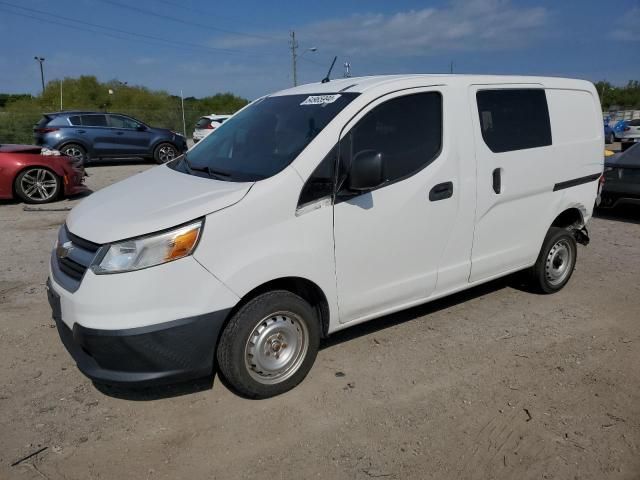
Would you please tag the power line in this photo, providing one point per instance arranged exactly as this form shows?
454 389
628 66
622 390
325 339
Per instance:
186 22
174 43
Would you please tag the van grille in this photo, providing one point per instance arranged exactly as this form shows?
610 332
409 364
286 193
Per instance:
71 259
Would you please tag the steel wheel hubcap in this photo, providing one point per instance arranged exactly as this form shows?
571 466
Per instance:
39 184
276 347
559 261
167 153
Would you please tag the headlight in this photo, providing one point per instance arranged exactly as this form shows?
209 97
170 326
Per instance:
150 250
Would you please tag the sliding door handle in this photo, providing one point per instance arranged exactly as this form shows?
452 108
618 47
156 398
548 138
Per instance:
497 180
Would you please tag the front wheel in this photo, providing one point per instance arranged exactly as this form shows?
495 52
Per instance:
269 345
37 185
165 152
556 261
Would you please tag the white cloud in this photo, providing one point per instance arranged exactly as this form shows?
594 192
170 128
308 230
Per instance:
469 25
628 28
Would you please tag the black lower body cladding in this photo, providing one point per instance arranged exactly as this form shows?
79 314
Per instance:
158 354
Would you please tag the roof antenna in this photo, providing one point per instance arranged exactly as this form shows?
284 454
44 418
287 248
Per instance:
327 79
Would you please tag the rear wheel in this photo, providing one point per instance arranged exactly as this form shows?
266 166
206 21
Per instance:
269 345
37 185
556 261
75 151
165 152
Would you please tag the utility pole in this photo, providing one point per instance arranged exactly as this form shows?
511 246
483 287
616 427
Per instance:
40 60
184 125
294 47
60 94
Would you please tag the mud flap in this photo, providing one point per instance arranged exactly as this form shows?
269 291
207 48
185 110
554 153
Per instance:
582 236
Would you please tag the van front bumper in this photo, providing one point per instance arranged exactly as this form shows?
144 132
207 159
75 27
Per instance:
156 354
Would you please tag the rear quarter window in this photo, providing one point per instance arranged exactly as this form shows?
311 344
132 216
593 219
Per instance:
575 116
514 119
59 121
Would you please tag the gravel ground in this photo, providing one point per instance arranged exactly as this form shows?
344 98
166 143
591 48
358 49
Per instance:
491 383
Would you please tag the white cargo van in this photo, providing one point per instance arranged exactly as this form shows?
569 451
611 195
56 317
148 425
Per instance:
320 207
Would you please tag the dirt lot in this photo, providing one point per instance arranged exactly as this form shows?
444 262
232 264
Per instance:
492 383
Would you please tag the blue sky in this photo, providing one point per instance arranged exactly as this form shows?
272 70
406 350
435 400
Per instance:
205 47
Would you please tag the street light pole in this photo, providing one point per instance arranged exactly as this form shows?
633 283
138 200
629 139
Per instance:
294 47
40 60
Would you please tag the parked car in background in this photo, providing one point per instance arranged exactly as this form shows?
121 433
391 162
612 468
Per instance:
630 133
275 231
618 127
92 135
206 125
621 179
609 135
36 176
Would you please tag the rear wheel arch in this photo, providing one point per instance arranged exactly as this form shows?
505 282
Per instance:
571 218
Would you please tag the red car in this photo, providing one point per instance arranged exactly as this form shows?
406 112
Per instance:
35 178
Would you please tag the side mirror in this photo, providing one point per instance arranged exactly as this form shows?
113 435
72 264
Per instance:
141 128
366 171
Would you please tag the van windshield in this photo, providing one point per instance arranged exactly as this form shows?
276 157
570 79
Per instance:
262 139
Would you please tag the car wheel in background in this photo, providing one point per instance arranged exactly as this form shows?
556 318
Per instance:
269 345
75 151
37 185
556 261
165 152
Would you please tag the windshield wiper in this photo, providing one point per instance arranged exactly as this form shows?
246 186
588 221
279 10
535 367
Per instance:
213 173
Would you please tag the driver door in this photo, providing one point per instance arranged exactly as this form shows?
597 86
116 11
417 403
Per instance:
389 241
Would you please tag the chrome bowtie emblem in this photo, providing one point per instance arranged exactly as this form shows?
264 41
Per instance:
64 250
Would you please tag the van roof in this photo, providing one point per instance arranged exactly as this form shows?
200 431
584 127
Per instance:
362 84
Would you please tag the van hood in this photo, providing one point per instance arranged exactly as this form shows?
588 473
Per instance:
153 200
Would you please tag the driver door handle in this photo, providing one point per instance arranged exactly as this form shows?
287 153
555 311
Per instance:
441 191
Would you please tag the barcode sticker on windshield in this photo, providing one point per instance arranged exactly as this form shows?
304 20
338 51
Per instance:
320 99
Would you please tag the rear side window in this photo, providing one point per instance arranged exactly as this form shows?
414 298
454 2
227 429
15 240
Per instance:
514 119
94 120
75 120
406 130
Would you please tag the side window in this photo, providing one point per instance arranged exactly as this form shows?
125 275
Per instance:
75 120
514 119
406 130
320 183
94 120
59 121
119 121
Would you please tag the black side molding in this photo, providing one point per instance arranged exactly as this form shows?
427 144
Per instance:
576 181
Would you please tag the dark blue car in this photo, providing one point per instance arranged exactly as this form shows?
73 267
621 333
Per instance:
92 135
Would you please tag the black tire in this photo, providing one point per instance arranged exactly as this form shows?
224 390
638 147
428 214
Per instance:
556 261
75 151
165 152
271 320
37 185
